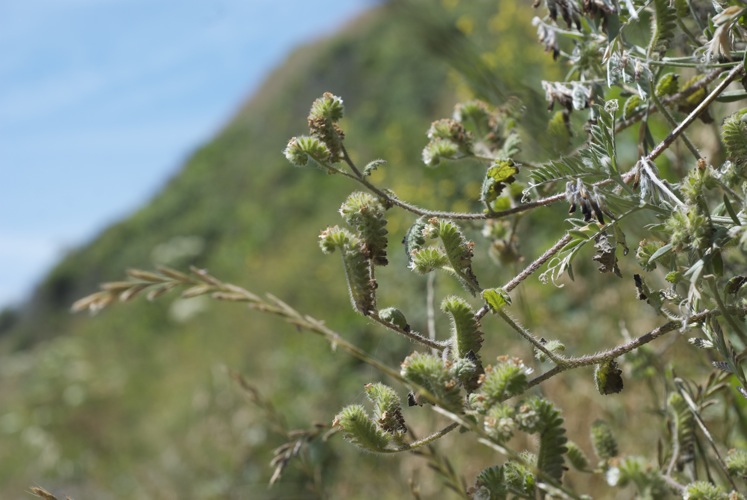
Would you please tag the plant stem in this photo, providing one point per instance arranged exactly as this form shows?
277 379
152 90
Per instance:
615 352
694 410
664 111
708 78
534 266
526 334
645 164
663 145
414 336
428 439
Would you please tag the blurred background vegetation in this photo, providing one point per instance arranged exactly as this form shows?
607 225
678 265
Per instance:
140 402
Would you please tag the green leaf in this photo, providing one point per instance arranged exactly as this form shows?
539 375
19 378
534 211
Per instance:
552 447
703 490
736 463
428 259
414 239
732 96
496 178
496 298
508 378
683 432
577 457
328 107
660 252
663 24
668 84
396 317
459 253
304 150
356 264
734 284
613 26
730 210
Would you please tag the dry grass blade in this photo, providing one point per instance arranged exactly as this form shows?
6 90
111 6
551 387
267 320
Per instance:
158 291
197 290
139 274
287 310
133 291
299 440
116 286
283 455
40 492
94 302
174 274
228 287
205 277
231 297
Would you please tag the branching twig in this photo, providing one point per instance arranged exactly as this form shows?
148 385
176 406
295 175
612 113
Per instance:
595 359
531 268
674 134
530 338
694 410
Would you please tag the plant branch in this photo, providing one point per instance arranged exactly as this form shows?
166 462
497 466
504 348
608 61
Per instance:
528 271
594 359
428 439
663 145
412 335
646 164
664 111
694 410
534 266
526 334
702 83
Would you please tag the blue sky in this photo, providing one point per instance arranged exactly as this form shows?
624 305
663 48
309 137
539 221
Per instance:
102 100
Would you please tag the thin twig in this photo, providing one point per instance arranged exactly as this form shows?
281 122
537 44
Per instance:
694 410
430 300
534 266
530 338
429 439
702 83
410 334
594 359
674 134
646 164
665 112
531 268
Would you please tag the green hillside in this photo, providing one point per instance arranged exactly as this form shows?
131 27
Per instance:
137 402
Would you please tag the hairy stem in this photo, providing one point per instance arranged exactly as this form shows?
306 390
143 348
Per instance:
526 334
595 359
674 134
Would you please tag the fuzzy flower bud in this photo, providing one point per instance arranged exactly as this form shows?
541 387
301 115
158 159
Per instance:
300 149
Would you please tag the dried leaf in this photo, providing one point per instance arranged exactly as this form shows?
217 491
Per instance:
605 255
